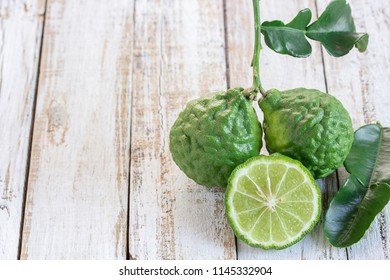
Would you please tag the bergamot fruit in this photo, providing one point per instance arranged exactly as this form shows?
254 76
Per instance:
308 125
213 135
272 202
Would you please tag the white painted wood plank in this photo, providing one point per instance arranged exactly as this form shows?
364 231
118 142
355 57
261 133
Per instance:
78 185
20 41
361 82
282 72
178 56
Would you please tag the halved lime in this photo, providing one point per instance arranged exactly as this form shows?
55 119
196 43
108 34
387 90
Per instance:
272 202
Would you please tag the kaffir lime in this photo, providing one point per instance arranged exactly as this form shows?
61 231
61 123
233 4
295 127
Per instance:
213 135
308 125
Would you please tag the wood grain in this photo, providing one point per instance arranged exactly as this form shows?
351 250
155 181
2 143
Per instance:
76 205
178 56
20 40
363 84
114 76
282 72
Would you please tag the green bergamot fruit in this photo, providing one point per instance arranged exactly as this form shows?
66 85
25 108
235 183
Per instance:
308 125
213 135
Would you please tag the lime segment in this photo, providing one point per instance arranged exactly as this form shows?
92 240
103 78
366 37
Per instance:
272 202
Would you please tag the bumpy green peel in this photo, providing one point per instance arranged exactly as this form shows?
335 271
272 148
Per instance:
213 135
308 125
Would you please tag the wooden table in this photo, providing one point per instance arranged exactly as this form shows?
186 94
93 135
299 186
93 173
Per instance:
88 92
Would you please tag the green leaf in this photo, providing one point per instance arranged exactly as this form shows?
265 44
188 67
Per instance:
335 29
288 39
362 43
367 190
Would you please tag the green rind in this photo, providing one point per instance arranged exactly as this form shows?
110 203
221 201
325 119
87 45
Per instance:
213 135
307 125
229 190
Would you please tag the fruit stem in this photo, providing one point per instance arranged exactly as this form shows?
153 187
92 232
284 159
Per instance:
256 85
